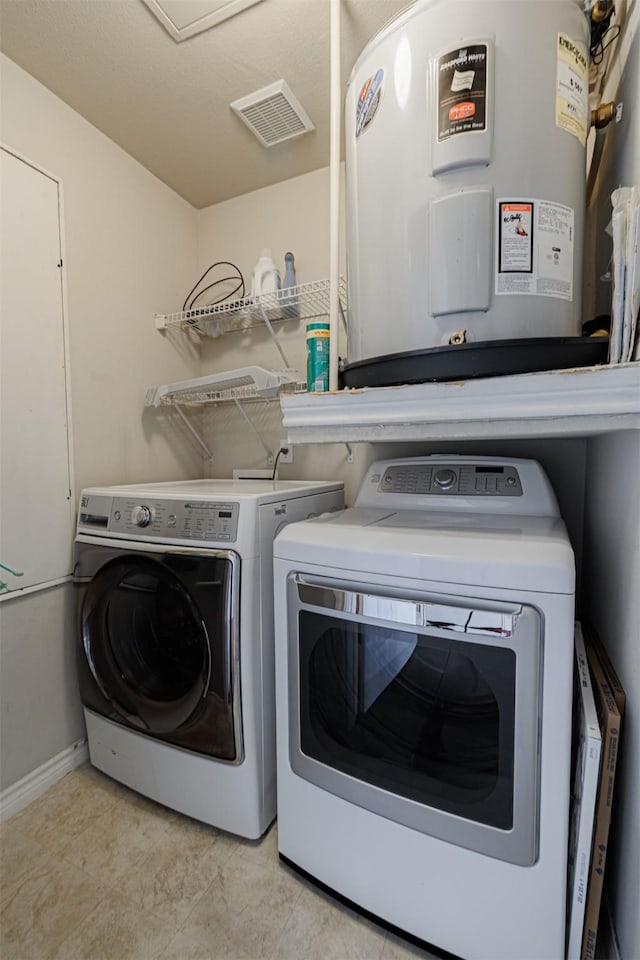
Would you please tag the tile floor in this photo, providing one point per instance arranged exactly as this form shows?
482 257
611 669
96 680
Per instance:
91 870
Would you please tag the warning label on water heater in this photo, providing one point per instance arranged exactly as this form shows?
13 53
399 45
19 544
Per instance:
535 240
572 89
462 91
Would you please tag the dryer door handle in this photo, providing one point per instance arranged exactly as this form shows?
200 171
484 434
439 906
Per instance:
415 613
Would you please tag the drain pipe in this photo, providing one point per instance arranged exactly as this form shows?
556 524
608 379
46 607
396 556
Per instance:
334 196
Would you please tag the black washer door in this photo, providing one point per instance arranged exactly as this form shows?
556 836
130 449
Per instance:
146 643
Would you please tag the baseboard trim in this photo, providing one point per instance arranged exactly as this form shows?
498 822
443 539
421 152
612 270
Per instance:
19 794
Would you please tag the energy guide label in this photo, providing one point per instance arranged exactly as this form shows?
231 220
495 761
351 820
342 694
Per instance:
572 88
535 240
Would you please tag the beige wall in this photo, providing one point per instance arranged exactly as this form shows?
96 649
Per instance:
612 517
294 216
41 714
130 252
612 575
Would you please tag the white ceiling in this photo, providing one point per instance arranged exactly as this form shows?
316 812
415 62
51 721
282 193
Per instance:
167 103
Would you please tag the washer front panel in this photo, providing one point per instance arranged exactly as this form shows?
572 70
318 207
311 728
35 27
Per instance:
160 519
159 645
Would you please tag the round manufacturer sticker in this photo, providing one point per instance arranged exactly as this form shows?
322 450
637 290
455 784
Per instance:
368 101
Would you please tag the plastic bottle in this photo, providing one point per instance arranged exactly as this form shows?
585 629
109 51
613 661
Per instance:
266 276
289 281
317 357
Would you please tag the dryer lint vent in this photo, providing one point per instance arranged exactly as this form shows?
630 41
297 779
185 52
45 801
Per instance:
273 114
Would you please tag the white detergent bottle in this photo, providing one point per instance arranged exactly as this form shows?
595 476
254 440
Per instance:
266 276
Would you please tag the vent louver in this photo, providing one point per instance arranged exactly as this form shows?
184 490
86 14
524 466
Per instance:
273 114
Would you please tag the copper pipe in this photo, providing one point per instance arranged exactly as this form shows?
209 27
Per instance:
601 10
603 115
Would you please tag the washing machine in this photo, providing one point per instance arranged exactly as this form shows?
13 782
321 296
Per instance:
424 645
175 639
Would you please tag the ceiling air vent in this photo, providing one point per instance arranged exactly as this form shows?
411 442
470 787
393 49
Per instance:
273 114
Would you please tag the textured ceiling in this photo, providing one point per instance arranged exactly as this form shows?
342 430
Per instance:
167 103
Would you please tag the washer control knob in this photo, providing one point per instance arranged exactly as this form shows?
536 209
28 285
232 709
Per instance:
141 515
444 479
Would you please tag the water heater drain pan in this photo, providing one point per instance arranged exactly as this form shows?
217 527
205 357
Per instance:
470 360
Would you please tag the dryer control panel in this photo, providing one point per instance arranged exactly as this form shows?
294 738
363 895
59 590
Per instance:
161 519
470 484
452 479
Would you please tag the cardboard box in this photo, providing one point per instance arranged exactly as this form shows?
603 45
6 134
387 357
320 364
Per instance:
609 669
609 708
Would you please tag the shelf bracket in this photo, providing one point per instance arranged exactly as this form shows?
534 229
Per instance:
193 431
251 424
349 453
273 334
343 316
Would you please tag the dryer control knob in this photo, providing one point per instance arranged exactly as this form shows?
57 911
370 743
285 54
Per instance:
444 479
141 515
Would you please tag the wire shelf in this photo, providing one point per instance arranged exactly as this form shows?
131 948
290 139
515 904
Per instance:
303 302
246 383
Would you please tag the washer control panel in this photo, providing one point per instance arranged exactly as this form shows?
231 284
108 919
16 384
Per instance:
452 479
195 520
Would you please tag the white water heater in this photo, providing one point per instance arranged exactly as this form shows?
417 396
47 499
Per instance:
466 123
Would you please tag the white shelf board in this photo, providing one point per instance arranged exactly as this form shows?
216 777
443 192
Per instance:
577 402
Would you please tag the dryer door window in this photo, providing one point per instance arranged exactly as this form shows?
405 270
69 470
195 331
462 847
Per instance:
156 635
418 709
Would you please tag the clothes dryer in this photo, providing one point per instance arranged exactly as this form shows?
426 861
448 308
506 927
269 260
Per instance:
424 649
175 639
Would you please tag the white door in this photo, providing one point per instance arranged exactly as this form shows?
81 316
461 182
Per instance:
36 512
